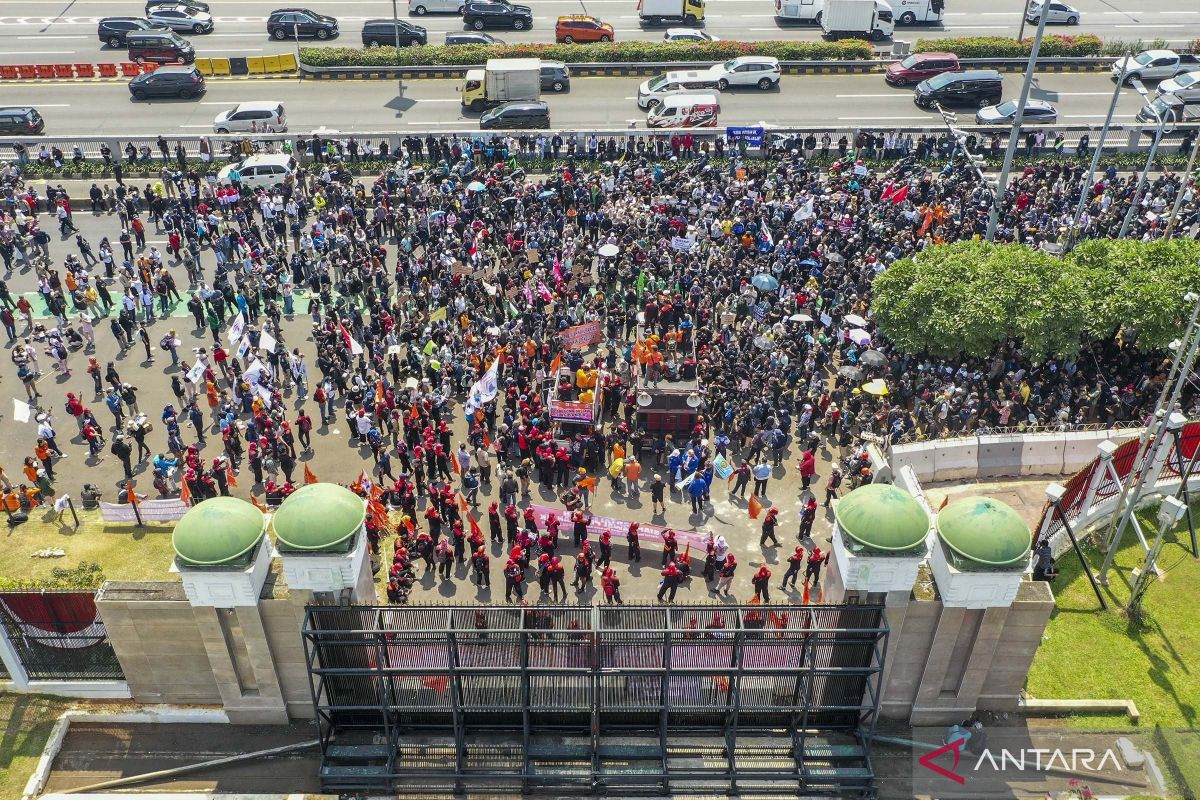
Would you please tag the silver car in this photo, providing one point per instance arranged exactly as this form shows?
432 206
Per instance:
181 18
1059 13
1186 87
1003 113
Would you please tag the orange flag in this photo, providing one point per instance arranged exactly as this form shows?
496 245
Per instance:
588 483
257 504
687 554
804 597
945 502
439 683
454 464
413 413
462 502
230 478
130 494
309 477
486 441
185 494
722 682
556 364
755 507
474 525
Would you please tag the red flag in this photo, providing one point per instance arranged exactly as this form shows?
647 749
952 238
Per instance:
413 413
355 347
257 504
309 477
486 441
945 502
474 525
899 196
687 554
185 494
722 682
230 478
804 597
755 507
439 683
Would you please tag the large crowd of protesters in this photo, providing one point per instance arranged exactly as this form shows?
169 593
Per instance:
750 276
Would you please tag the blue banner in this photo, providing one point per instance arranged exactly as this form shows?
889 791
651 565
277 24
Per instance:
751 136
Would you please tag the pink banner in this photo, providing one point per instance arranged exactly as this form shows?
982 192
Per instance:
581 335
650 535
570 411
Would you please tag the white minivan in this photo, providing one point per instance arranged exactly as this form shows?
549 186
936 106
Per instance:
260 116
261 171
651 92
420 8
685 111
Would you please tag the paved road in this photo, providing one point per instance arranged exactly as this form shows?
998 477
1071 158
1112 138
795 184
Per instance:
848 100
65 30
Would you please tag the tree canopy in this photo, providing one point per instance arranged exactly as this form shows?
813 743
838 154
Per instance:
967 297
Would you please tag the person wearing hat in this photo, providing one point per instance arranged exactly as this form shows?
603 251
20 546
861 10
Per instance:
768 528
121 449
657 494
583 485
795 564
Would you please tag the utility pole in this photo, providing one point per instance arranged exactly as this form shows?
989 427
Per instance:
396 30
1160 130
1024 14
1168 514
1187 174
1015 133
1083 190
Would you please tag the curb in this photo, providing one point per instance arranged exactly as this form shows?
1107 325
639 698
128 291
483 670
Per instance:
625 70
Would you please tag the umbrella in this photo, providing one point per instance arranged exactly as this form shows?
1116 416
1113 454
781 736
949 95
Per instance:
436 214
873 358
509 200
851 373
860 337
799 318
763 343
855 319
876 387
475 186
765 282
808 262
547 193
608 250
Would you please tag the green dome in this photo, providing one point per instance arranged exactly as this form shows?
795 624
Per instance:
220 531
985 532
883 517
319 516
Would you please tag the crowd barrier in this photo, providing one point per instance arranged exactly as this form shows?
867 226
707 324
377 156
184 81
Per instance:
256 65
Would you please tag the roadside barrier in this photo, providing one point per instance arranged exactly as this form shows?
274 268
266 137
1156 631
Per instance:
220 67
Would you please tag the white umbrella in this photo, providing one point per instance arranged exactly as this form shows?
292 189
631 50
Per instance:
608 250
860 337
800 318
855 319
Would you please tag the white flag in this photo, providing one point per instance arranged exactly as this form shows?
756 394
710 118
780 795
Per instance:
484 390
235 330
266 342
21 411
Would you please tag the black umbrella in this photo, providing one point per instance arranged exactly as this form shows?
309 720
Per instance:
851 373
873 358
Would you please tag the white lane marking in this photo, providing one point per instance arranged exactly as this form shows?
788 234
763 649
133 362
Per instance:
38 52
54 37
1078 94
1156 25
893 94
1096 116
844 119
233 50
197 126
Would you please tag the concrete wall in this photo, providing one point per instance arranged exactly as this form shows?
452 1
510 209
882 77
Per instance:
1002 456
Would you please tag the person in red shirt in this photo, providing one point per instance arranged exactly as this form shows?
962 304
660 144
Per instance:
761 582
671 578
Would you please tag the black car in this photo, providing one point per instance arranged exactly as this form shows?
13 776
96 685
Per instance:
556 77
113 30
20 121
472 37
974 87
291 23
384 32
519 114
480 14
194 5
170 81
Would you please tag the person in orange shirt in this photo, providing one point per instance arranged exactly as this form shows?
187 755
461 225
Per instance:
45 455
30 469
633 471
618 451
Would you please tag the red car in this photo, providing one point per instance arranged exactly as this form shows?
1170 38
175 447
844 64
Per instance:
920 66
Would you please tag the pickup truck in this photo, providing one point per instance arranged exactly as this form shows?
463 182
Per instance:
1155 65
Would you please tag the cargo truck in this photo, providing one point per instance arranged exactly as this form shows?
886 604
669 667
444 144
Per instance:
857 18
658 12
500 81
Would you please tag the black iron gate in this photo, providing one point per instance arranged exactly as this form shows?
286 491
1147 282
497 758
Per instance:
58 635
634 699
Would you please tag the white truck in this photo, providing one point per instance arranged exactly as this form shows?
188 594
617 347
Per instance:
858 18
1154 65
502 80
659 12
918 12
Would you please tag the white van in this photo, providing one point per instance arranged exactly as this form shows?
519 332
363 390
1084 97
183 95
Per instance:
261 172
685 111
420 8
651 92
263 116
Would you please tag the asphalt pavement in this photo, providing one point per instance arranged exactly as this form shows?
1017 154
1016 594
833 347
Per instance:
432 105
48 31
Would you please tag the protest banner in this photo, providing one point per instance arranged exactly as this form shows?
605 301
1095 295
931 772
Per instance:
581 335
570 411
151 511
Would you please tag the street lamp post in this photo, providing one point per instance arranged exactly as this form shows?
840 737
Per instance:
1182 189
1014 134
1083 190
396 30
1159 131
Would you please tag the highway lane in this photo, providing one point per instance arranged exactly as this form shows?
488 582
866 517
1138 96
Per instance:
848 100
65 30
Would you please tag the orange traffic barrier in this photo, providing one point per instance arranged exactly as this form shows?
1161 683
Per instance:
64 71
8 72
107 70
149 67
26 71
130 70
85 71
45 70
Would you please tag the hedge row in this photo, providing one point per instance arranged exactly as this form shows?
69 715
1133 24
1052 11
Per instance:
611 53
1001 47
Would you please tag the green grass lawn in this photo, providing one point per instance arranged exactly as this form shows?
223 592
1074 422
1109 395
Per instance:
1087 653
124 552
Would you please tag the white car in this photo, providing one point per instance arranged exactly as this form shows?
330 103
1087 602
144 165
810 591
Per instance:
1186 87
652 92
261 172
760 71
256 115
181 18
688 35
1059 14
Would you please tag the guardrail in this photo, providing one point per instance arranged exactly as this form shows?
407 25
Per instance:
628 69
252 65
1122 138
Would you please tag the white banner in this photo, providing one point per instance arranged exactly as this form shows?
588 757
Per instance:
266 342
236 329
484 390
196 374
21 411
151 511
